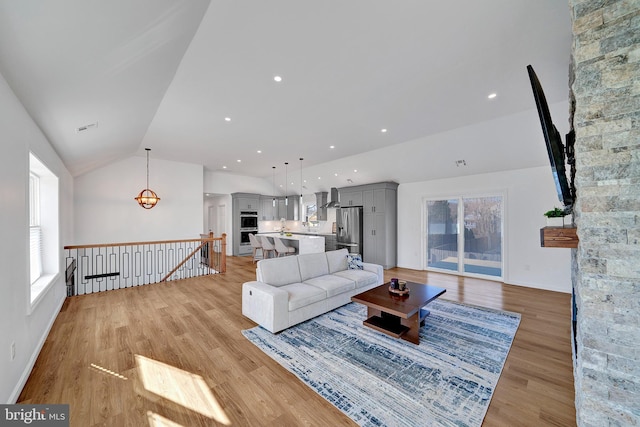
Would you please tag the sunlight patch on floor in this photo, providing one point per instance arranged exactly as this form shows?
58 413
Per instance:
107 371
181 387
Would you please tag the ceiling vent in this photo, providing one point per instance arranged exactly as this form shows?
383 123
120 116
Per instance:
87 127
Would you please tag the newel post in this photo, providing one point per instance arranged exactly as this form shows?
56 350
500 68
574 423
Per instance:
210 247
223 257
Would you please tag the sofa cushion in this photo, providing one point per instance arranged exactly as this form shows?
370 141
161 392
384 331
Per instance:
361 277
279 271
301 294
337 260
332 284
312 265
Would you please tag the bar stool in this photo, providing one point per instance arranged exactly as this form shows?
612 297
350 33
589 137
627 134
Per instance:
281 248
267 246
256 245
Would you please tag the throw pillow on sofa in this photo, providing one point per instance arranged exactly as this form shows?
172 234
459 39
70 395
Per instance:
354 262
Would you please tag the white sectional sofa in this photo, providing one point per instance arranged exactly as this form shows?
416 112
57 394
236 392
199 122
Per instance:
293 289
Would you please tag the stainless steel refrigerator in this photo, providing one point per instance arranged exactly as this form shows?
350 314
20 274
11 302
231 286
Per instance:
349 229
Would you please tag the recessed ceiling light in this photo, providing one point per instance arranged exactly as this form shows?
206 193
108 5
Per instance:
319 178
335 174
383 130
259 151
227 119
277 79
238 160
332 147
355 170
224 167
492 95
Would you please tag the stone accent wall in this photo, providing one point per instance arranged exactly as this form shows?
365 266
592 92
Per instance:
606 61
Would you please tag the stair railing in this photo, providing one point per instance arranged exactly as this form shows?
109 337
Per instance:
103 267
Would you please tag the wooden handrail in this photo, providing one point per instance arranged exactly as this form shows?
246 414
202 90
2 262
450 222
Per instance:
185 260
157 242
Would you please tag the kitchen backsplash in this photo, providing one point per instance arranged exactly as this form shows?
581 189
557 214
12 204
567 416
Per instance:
320 227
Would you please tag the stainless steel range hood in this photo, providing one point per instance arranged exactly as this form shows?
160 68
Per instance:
334 203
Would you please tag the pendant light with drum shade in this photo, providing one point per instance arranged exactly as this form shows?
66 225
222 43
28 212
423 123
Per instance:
147 197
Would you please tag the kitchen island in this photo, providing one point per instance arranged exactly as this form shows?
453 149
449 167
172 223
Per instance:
304 243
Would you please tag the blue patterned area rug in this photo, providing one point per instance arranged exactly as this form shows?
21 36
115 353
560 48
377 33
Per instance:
378 380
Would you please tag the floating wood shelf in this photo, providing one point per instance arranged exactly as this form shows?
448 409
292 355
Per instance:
559 237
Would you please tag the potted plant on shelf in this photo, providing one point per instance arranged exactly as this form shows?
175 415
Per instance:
555 217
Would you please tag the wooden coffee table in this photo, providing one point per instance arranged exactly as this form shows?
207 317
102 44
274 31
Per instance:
398 315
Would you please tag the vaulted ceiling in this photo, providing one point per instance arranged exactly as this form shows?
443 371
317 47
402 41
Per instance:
194 79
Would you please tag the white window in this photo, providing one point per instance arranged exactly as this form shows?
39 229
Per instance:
35 231
44 258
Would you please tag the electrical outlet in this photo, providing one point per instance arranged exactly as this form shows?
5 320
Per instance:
13 351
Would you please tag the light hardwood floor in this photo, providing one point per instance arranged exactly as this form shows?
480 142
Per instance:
172 354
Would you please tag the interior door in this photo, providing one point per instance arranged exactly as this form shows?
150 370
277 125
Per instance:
212 220
221 220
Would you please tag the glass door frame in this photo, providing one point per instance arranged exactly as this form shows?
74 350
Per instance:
460 238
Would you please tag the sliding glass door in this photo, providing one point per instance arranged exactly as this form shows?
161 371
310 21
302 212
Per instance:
464 235
442 234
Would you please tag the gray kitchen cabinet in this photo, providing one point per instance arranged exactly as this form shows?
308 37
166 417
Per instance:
244 211
268 212
349 197
290 211
246 201
321 201
380 220
281 208
329 242
374 239
374 201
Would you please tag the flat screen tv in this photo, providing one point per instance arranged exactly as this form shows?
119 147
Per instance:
555 147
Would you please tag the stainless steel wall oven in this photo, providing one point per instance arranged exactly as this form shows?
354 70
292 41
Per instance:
249 219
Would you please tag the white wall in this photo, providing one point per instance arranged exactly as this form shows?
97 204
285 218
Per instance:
106 212
227 183
529 193
19 134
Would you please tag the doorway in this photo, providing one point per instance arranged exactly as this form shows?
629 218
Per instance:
218 219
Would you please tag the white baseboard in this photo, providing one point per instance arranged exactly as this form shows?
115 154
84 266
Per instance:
13 398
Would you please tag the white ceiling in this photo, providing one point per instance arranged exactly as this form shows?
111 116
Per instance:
165 74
